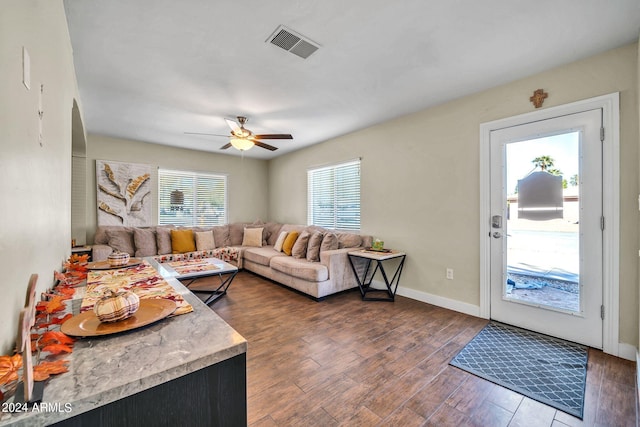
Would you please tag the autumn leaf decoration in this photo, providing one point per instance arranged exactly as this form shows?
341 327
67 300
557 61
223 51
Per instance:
9 366
45 369
47 342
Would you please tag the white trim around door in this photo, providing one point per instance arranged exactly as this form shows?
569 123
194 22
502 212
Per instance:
610 105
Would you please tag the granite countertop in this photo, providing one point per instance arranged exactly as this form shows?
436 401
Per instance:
108 368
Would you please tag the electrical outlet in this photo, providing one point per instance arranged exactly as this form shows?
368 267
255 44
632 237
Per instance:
450 273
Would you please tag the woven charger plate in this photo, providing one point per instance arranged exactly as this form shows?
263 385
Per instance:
87 324
104 265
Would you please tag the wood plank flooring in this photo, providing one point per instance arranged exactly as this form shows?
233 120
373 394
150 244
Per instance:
345 362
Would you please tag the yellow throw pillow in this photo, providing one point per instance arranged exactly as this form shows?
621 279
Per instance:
289 242
182 241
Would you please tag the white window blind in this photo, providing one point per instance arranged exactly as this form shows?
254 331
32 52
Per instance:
191 198
334 196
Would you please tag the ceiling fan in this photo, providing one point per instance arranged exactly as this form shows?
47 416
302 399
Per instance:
243 139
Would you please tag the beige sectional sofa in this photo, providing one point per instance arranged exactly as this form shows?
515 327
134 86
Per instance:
318 265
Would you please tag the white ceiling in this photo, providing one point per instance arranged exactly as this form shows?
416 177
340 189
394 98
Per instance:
151 70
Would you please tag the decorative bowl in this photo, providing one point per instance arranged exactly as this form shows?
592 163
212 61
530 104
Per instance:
117 259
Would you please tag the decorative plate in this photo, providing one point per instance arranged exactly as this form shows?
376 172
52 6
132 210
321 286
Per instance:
104 265
87 324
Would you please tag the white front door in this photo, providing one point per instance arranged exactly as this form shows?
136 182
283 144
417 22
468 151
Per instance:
546 263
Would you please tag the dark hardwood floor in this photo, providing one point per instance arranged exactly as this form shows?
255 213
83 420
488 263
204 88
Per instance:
346 362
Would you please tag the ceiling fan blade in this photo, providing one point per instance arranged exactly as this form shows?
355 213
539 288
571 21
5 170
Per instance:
232 124
273 136
263 145
206 134
225 146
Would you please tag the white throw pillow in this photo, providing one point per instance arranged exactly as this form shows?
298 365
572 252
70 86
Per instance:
280 241
252 237
205 241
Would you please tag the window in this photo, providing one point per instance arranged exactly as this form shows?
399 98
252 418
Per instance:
334 196
191 199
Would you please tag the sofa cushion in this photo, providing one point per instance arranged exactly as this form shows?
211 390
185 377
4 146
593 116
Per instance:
266 233
122 240
236 232
292 227
261 255
349 240
280 241
163 240
273 229
101 237
289 241
313 248
205 240
300 268
221 235
299 249
182 241
252 237
329 242
145 241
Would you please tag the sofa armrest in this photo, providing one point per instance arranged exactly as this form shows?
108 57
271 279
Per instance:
337 262
100 252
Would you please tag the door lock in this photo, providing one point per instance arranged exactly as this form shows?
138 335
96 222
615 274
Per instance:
496 221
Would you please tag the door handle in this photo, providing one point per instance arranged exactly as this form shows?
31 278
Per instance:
496 235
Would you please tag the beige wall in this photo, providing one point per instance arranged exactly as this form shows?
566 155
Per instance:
248 192
638 166
35 187
419 169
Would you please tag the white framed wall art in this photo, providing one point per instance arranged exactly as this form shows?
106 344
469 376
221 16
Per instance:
123 193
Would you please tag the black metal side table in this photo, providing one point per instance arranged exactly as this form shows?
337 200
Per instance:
364 281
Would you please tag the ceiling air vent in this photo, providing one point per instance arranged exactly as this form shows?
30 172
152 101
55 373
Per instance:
293 42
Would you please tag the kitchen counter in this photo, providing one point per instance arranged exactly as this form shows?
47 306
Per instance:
189 351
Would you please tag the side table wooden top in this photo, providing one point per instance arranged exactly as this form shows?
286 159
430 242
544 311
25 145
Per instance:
377 255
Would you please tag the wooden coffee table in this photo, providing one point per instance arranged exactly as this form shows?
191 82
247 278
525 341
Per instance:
188 271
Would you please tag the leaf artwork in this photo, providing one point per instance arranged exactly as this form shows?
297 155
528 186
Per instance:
108 209
111 175
122 193
111 193
135 184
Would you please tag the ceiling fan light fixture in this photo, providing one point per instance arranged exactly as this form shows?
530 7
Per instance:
241 144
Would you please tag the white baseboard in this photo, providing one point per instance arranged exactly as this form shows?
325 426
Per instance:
627 351
451 304
637 386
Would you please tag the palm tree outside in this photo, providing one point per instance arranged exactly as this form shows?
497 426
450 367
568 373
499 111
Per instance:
543 162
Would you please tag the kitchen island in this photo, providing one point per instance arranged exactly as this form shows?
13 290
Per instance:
183 370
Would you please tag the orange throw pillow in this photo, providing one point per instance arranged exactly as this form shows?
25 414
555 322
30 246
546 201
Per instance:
182 241
289 242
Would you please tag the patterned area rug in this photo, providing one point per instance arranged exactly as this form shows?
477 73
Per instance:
546 369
